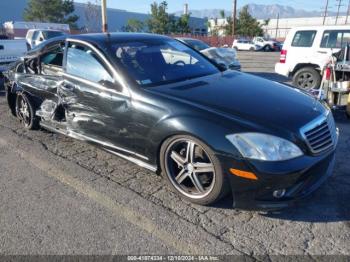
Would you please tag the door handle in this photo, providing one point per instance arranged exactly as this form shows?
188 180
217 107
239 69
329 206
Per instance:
322 52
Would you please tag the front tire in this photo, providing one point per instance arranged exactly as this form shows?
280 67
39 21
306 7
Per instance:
25 112
307 78
192 170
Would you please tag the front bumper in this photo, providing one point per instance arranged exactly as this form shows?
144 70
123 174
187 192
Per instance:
298 177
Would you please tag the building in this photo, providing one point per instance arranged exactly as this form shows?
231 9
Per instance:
279 28
12 10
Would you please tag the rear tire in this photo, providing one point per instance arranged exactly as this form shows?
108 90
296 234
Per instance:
25 112
307 78
192 170
252 49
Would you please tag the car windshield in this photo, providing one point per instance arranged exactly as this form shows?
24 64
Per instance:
155 62
52 34
196 44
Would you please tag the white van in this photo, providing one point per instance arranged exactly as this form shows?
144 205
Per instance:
307 50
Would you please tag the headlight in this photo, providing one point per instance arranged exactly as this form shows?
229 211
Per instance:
264 147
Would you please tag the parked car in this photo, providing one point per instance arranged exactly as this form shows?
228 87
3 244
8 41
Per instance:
266 44
37 36
245 45
226 57
307 50
208 131
10 51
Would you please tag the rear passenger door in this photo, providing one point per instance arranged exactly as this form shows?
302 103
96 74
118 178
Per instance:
301 47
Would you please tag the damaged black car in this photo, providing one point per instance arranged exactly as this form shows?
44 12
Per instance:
161 104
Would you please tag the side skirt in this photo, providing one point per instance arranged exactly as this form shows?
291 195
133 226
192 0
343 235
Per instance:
93 141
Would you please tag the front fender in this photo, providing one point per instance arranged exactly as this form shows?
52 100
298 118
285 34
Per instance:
211 133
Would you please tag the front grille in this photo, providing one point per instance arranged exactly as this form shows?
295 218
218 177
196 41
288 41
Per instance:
320 134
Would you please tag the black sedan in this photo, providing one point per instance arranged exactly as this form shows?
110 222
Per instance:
164 106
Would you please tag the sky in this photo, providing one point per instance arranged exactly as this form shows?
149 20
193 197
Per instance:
143 6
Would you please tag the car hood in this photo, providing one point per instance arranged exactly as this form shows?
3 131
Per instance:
249 98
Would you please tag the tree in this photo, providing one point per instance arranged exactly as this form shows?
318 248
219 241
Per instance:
183 24
54 11
92 14
222 14
159 22
134 25
248 25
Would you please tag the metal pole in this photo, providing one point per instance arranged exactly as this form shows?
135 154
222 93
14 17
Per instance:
277 22
347 14
339 5
234 15
325 12
104 16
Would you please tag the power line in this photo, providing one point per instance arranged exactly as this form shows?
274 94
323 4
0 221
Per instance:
338 5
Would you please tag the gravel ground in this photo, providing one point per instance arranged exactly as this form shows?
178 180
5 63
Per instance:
315 226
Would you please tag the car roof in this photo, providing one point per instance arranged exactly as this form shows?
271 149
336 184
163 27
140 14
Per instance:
187 39
326 27
101 39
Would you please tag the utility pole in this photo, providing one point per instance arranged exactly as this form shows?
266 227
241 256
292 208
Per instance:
234 15
104 16
339 5
277 24
325 12
347 14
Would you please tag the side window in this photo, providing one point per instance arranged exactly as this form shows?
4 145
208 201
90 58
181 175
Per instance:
35 35
304 38
335 39
84 63
54 57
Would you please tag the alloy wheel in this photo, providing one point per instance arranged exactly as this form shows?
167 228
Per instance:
190 168
23 111
306 81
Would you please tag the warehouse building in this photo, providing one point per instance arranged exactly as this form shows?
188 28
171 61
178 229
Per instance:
279 28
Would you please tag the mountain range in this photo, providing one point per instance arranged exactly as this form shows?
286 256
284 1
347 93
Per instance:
261 12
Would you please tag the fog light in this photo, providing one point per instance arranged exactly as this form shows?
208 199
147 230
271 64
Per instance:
279 193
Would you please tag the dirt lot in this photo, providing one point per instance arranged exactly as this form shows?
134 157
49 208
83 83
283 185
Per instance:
61 196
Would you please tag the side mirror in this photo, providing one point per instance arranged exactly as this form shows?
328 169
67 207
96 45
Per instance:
41 39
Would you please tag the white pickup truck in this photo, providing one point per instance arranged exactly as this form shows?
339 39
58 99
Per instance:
10 51
266 45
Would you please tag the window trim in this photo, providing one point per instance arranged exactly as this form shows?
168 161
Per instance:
313 39
329 31
102 57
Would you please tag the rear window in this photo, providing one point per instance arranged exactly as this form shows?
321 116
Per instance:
304 38
335 39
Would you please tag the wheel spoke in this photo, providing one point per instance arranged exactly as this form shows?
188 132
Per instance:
178 159
181 176
190 152
197 184
203 167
